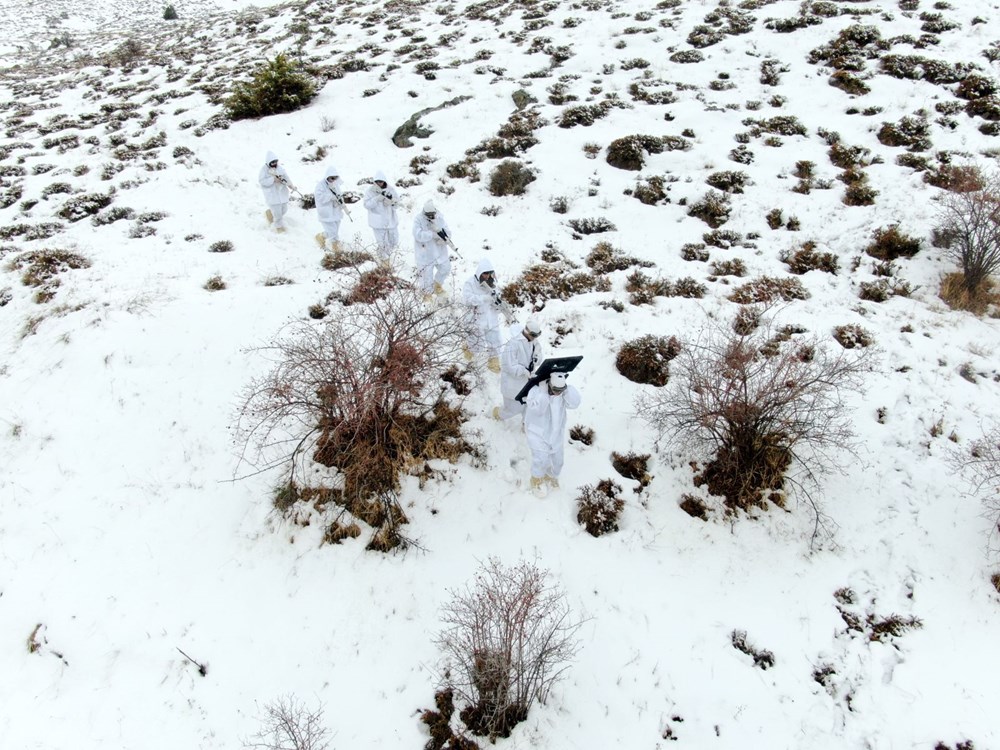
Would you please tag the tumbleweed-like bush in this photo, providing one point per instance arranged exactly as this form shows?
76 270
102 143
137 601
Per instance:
755 415
361 392
507 639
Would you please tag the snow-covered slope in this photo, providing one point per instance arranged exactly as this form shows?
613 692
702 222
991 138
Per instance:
130 527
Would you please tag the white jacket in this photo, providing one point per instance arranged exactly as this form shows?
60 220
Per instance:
545 416
480 298
275 191
518 355
328 197
426 242
381 207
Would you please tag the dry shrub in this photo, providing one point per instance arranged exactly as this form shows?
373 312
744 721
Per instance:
912 133
694 506
510 177
630 152
969 227
41 268
806 259
599 507
694 251
746 320
769 289
374 284
588 225
852 336
338 259
761 657
995 580
884 289
859 193
439 725
632 466
954 292
956 178
541 283
889 244
286 724
336 532
580 434
643 289
507 640
755 414
361 393
729 181
713 208
734 267
277 86
646 360
605 258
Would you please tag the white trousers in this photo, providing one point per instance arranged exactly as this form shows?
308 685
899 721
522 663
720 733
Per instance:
331 229
545 461
278 211
387 240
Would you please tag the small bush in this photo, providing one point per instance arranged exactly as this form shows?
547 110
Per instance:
761 658
729 182
849 83
912 133
694 506
222 246
713 208
889 244
599 507
510 177
82 206
774 218
214 284
605 258
559 204
170 13
806 259
633 466
746 320
694 251
116 213
277 86
735 267
883 289
852 336
338 259
769 289
629 152
541 283
723 238
859 194
645 360
592 226
580 434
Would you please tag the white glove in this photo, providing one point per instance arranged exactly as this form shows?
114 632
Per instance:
272 171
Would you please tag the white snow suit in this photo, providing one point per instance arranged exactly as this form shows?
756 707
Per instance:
430 251
520 358
382 218
545 426
275 184
329 209
483 303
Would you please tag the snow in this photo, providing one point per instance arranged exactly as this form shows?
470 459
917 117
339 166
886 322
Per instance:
130 526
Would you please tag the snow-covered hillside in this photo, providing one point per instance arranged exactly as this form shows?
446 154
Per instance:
132 526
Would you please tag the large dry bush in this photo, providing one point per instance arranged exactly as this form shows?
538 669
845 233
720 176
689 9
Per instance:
969 225
287 724
980 464
507 639
361 392
756 404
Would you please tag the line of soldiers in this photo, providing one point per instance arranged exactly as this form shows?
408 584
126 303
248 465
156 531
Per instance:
544 410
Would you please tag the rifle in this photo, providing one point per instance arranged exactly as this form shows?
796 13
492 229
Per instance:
288 185
339 197
504 308
447 240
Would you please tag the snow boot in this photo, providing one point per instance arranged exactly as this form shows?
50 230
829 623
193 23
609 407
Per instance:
496 413
553 482
321 240
438 289
538 486
467 353
493 365
269 216
279 230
